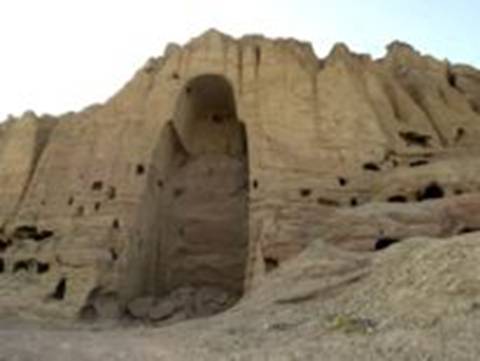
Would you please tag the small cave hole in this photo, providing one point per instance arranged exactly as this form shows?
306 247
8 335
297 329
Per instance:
385 242
140 169
305 192
97 206
432 191
42 267
80 211
4 245
60 290
371 167
452 79
354 202
255 184
2 265
270 264
97 186
113 254
217 118
414 138
111 193
31 232
178 192
188 90
466 230
25 232
397 199
175 75
42 235
115 224
342 181
460 134
458 192
258 55
418 163
71 200
22 265
160 183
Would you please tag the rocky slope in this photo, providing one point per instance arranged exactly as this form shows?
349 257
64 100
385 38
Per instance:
416 300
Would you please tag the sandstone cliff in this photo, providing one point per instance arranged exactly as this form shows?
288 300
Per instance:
221 160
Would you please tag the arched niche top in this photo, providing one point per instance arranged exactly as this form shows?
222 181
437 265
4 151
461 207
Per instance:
206 118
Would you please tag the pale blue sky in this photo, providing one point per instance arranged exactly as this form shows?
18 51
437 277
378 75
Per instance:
60 55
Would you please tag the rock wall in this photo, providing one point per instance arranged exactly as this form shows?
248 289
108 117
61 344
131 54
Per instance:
217 162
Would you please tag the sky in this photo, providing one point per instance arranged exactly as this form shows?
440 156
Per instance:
62 55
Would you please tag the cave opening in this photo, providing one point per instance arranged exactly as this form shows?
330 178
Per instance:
397 199
385 242
60 290
431 191
204 168
271 264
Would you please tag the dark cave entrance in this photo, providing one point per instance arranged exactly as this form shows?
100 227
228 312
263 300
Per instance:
204 209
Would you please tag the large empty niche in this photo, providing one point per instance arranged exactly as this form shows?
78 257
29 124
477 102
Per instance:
203 218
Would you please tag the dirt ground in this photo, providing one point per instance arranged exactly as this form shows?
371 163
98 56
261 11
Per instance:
418 300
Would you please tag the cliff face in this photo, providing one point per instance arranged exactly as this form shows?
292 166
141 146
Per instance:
222 159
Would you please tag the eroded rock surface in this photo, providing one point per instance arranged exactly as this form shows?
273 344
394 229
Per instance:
223 159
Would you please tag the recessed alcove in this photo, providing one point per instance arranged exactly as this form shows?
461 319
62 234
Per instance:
203 167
